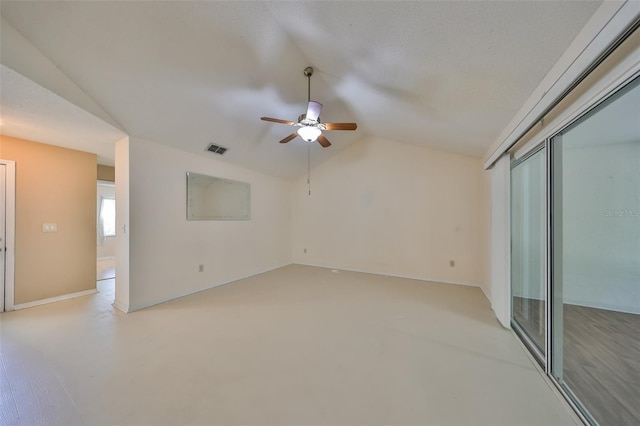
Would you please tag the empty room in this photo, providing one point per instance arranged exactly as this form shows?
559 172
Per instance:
319 212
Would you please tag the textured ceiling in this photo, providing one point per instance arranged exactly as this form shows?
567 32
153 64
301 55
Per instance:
30 111
447 75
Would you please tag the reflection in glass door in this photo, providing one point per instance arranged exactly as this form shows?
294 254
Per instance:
528 248
596 259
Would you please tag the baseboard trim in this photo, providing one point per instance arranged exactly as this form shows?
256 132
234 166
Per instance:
120 307
485 293
410 277
137 307
54 299
604 306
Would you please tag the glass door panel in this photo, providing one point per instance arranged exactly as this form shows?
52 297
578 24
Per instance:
596 259
528 243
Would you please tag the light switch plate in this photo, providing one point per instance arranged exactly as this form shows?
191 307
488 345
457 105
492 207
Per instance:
49 227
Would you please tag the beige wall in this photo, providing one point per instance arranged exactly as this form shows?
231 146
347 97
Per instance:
107 173
53 185
393 208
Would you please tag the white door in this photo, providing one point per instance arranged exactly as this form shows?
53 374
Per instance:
3 203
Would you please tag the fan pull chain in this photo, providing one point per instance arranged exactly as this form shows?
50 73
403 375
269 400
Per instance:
308 72
309 167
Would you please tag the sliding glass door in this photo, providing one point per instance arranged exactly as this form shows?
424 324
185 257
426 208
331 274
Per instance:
528 250
596 259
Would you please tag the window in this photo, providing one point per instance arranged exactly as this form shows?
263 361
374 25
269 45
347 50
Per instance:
575 284
108 217
528 249
595 265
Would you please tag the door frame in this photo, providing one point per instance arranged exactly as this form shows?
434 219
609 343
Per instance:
10 235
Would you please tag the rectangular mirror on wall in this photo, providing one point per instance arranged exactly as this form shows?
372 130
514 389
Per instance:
528 249
213 198
596 259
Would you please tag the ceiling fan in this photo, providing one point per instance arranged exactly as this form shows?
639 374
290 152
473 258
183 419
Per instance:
310 126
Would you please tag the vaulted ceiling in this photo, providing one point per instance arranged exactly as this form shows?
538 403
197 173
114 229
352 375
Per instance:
446 75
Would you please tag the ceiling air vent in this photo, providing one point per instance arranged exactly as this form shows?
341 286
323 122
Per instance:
216 149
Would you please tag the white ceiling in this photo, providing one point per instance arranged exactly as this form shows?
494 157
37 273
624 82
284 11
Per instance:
446 75
30 111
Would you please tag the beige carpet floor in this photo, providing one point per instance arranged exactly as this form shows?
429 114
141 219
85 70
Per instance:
106 269
295 346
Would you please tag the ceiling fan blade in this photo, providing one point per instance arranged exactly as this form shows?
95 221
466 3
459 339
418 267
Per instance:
323 141
290 137
277 120
313 110
340 126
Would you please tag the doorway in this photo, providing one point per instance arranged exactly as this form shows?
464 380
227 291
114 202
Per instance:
596 258
528 250
106 231
575 240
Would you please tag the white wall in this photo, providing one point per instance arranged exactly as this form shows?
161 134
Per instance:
500 241
122 224
601 226
393 208
166 249
485 238
107 248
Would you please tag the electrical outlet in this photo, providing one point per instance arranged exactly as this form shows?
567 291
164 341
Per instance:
452 263
49 227
200 268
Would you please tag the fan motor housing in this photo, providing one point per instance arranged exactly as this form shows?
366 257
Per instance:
302 119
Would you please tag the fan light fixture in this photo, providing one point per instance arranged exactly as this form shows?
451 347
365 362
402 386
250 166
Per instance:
309 133
310 127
